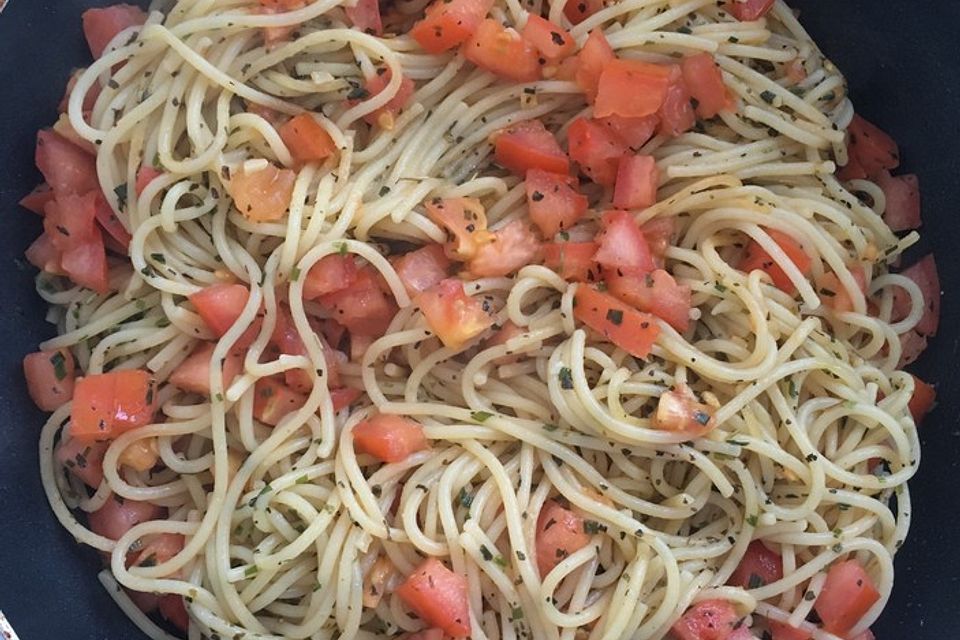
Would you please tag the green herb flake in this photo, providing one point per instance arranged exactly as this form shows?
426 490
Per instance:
485 553
303 479
516 614
465 499
768 96
591 527
550 428
250 571
480 416
59 365
566 378
752 520
121 192
615 316
755 581
342 249
294 274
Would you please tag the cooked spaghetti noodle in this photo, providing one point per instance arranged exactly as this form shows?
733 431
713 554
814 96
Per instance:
284 525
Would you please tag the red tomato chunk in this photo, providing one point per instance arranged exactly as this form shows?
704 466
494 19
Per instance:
438 596
109 404
560 532
847 596
389 438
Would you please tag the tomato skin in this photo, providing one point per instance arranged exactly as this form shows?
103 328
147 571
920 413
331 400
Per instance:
759 565
873 149
676 112
528 145
549 38
559 533
629 329
637 182
37 200
748 10
596 150
423 268
464 219
273 401
364 307
344 397
83 460
447 24
365 16
902 194
306 140
756 258
453 316
912 346
631 88
193 374
110 223
659 234
707 620
705 83
330 274
656 292
67 168
119 515
512 248
438 596
845 598
924 273
263 195
220 305
389 438
922 401
572 260
623 247
50 377
385 116
593 57
553 201
174 611
101 25
633 133
109 404
43 255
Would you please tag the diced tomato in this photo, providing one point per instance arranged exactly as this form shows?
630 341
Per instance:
756 258
140 455
119 515
759 567
67 168
632 88
507 332
579 10
64 128
86 264
50 377
924 273
363 307
705 83
572 260
447 24
287 339
389 438
501 50
276 34
83 459
707 620
637 181
595 55
109 404
659 235
679 411
560 532
874 150
110 223
331 273
512 248
344 397
528 145
624 326
847 595
553 201
923 399
219 305
273 401
549 38
748 10
274 117
912 346
852 170
421 269
89 100
596 149
623 246
655 292
453 316
101 25
834 295
158 548
783 631
145 175
37 199
902 194
146 602
385 116
438 596
262 195
632 132
174 611
306 140
365 16
741 633
43 255
676 113
465 219
193 374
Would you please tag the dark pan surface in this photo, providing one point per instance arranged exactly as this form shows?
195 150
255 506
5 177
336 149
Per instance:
900 60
